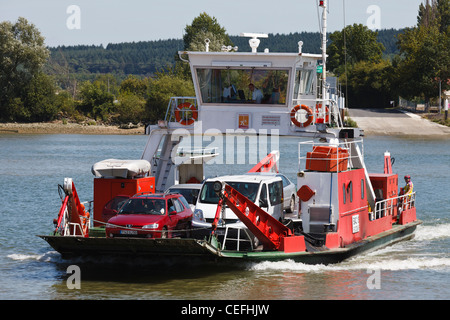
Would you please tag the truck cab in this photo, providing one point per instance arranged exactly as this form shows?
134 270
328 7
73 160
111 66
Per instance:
264 191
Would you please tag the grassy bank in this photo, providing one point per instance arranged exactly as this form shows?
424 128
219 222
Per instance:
438 118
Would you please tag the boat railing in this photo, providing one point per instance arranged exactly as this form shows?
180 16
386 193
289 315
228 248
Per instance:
62 217
386 207
76 226
324 111
339 157
65 230
238 239
174 103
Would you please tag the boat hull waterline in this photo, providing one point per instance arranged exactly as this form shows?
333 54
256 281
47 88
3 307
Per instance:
185 248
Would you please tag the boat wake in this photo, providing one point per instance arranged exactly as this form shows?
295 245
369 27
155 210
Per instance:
411 255
50 256
353 265
432 232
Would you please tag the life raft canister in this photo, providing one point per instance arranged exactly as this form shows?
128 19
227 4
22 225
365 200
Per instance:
186 113
320 116
309 116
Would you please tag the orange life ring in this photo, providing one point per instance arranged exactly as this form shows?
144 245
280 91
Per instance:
180 113
309 116
327 116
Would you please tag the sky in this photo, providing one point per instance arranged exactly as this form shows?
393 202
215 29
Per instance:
99 22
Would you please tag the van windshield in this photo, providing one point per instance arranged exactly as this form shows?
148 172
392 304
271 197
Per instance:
248 189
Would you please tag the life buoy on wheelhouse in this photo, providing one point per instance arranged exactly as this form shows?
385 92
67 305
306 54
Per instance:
309 116
184 109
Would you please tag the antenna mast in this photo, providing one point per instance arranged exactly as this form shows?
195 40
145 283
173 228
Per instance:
323 4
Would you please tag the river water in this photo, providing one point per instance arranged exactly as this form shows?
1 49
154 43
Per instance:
31 167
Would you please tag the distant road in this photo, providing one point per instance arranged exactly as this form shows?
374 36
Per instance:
396 123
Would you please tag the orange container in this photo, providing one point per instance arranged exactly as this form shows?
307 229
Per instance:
105 189
327 159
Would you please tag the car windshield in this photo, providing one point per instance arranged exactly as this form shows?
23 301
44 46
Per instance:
189 194
144 206
248 189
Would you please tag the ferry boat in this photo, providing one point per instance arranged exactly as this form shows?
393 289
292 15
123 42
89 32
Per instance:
341 209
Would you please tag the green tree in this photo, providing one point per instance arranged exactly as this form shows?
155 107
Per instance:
369 84
95 101
353 44
107 83
40 99
443 9
424 60
134 85
162 88
130 108
22 56
66 105
205 27
367 76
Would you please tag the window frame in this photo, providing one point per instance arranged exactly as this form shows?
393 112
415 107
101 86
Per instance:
286 84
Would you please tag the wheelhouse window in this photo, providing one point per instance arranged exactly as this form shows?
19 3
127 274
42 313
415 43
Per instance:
304 82
233 85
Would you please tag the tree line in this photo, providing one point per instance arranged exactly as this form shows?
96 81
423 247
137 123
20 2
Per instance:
132 82
418 71
147 57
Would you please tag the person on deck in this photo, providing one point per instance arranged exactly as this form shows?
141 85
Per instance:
408 188
404 203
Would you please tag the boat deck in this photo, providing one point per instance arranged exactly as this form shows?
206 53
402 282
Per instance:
188 248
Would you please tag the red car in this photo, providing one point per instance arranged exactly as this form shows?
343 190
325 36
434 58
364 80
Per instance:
152 216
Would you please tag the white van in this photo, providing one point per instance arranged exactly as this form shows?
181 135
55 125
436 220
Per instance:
264 191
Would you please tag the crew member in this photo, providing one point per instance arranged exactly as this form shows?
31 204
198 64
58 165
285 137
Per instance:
408 188
404 202
256 93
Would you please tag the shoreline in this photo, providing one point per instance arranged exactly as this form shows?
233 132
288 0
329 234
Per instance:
372 121
69 128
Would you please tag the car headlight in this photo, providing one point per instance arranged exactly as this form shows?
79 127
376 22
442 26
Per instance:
198 215
151 226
